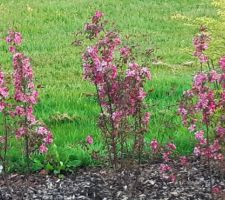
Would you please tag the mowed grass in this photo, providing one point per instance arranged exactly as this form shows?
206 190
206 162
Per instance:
47 28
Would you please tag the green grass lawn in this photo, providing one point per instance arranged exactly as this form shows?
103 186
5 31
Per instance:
47 28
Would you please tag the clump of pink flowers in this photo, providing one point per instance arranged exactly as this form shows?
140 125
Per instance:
14 39
93 28
4 92
154 145
201 45
119 87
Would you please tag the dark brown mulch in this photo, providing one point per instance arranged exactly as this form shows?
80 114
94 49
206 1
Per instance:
139 182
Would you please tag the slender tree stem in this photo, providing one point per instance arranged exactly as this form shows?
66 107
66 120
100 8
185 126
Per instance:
105 124
5 142
113 127
5 164
209 163
27 153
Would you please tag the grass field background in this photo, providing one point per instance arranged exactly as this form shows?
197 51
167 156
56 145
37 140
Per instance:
47 28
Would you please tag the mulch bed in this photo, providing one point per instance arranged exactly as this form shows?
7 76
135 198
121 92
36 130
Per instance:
137 182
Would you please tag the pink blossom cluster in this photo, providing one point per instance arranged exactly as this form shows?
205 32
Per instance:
46 137
89 140
222 64
125 53
26 96
14 39
23 80
200 99
98 59
154 145
120 89
93 28
201 44
4 92
184 161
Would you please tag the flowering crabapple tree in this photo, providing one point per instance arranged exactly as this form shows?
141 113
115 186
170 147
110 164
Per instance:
203 106
119 83
20 110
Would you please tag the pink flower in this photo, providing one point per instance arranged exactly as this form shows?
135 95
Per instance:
172 146
173 178
183 160
45 134
43 149
125 52
219 156
48 139
117 116
203 58
203 101
99 14
154 145
12 49
200 137
141 94
4 92
14 38
192 128
97 17
222 63
221 131
21 132
215 147
146 118
20 111
18 38
114 72
165 168
214 76
216 189
197 151
146 73
29 114
200 79
182 111
89 139
166 156
130 73
2 106
42 131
